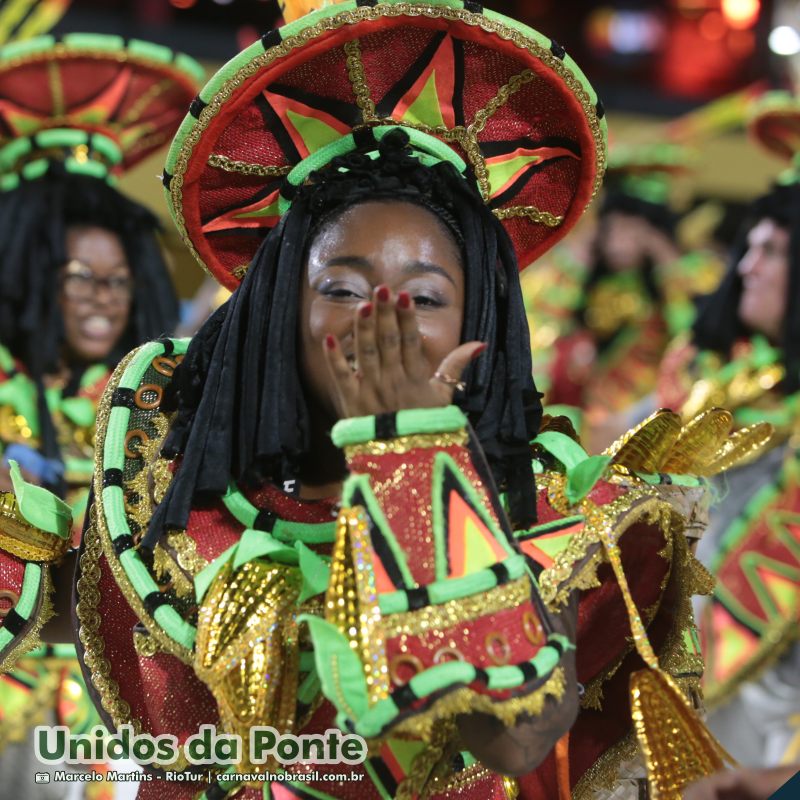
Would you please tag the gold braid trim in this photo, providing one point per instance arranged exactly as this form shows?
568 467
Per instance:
465 701
405 444
31 639
365 14
245 167
529 212
23 540
94 647
456 612
358 80
604 773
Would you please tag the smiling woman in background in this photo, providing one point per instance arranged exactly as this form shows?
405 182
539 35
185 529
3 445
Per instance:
82 281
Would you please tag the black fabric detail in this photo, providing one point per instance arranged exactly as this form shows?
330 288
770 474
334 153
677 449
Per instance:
271 38
529 672
215 792
601 109
155 600
383 772
112 477
534 566
123 543
490 149
123 398
167 344
482 675
458 87
556 645
346 112
418 598
288 191
166 179
386 426
364 138
273 124
265 521
501 573
404 696
471 5
557 50
367 3
385 107
14 623
196 106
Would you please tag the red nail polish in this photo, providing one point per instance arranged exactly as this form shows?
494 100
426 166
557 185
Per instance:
477 351
330 342
365 310
383 294
404 300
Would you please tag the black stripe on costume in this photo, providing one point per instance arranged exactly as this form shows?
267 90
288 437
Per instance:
471 5
167 344
123 398
501 573
273 124
196 106
14 623
557 50
166 179
368 3
265 521
404 696
458 83
418 598
529 672
271 38
364 139
112 477
386 426
215 792
601 109
155 600
123 543
556 645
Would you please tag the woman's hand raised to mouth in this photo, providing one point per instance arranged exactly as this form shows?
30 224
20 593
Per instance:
393 372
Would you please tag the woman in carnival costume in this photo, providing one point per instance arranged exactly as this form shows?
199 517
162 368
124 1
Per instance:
744 354
83 281
326 515
610 320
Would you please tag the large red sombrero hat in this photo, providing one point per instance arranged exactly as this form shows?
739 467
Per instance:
96 103
470 86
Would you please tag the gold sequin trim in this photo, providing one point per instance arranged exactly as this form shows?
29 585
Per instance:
186 550
405 444
246 168
21 539
146 646
351 600
466 701
454 612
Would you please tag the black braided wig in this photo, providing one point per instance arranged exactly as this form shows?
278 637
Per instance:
718 325
241 406
33 222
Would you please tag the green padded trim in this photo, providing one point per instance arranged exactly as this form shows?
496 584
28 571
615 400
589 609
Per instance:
31 581
94 169
309 532
191 67
6 360
114 501
13 151
358 430
564 448
149 50
443 676
13 51
556 524
677 480
40 507
35 169
454 588
94 41
9 182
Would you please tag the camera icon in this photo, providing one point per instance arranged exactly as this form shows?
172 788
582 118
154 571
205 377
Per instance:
41 777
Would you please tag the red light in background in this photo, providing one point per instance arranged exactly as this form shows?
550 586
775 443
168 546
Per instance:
741 14
183 4
712 26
